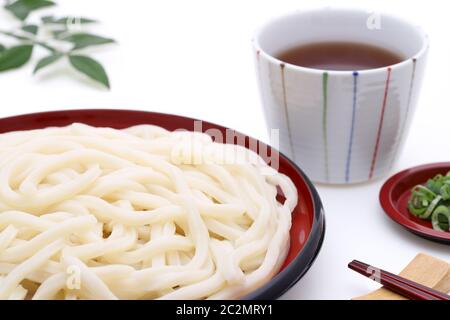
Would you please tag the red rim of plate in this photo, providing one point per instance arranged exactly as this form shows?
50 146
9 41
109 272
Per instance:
391 209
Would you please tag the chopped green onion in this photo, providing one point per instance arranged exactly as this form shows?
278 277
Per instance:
420 200
432 201
431 207
441 218
445 190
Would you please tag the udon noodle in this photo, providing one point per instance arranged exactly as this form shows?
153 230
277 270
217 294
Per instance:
100 213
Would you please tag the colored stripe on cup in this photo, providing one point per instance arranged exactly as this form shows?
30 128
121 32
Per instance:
352 127
286 110
380 125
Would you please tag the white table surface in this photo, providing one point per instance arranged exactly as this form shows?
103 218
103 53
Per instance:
194 58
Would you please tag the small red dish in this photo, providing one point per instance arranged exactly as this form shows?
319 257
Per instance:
308 221
395 193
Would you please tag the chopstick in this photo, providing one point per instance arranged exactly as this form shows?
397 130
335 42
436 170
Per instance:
397 284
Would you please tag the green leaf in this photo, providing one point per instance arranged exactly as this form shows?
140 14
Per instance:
90 67
31 28
83 40
15 57
47 61
67 20
22 8
2 48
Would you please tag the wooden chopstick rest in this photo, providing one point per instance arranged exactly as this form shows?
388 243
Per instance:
424 269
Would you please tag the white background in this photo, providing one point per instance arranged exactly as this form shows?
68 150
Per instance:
194 58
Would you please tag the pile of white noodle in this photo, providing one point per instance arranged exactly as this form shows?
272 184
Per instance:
99 213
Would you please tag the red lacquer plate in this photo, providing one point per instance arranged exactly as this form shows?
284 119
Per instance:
395 193
308 222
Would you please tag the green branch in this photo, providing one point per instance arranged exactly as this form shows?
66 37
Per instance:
29 40
62 33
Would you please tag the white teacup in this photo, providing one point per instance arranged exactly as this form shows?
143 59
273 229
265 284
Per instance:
340 126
